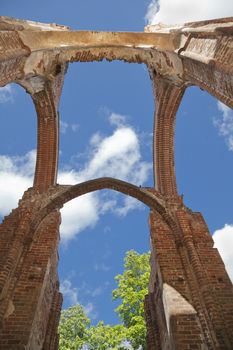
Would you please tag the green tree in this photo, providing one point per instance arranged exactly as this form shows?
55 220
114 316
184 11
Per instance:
105 337
73 328
76 332
132 289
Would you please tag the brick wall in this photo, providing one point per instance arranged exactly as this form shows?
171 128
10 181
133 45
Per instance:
30 301
191 291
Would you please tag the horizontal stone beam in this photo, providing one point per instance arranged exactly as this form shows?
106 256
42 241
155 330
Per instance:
42 40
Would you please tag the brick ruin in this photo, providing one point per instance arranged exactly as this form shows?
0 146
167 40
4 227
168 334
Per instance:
190 299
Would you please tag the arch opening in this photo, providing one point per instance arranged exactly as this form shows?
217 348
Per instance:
117 110
202 155
95 255
68 193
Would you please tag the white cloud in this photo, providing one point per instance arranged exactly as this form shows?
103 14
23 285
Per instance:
79 214
12 186
181 11
152 10
90 310
223 239
6 94
224 123
224 109
74 127
117 119
96 139
117 155
97 291
129 205
107 204
64 127
15 178
89 291
69 292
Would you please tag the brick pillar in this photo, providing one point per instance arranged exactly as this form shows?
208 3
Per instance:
29 297
191 294
168 97
152 338
52 339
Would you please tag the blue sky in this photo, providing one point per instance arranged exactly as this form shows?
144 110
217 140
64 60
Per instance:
109 106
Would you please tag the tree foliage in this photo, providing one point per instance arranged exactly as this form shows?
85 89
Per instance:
132 289
73 328
76 332
105 337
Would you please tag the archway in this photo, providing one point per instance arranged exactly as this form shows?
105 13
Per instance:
202 158
65 193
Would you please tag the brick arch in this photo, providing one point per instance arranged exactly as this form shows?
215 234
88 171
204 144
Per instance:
64 194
